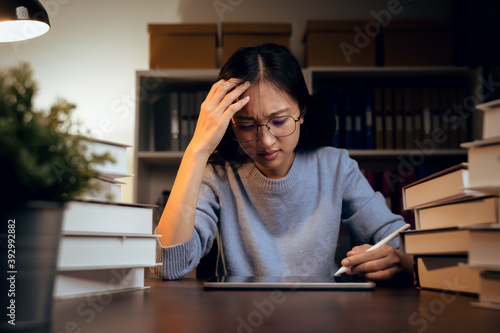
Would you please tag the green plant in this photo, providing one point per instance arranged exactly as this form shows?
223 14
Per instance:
43 155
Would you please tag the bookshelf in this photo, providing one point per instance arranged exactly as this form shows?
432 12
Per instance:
156 163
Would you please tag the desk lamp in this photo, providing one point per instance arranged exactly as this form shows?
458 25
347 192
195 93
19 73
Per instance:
22 19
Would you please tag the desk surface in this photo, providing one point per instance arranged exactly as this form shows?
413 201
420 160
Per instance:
183 306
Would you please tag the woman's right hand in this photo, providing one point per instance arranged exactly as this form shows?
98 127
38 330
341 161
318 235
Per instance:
216 111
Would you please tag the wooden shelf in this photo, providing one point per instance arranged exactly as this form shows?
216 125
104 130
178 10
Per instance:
160 158
173 158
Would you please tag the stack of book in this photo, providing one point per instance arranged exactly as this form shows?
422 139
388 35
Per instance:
106 244
457 221
484 164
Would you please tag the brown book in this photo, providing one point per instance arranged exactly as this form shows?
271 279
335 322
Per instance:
435 242
441 187
447 273
477 210
484 162
489 291
485 246
491 118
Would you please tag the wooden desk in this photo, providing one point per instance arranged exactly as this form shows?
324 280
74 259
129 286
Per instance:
183 306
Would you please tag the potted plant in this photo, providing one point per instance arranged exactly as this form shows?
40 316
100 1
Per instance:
45 162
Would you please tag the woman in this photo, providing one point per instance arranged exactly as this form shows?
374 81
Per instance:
272 195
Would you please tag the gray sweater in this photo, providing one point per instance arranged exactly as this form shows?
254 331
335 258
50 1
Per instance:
281 227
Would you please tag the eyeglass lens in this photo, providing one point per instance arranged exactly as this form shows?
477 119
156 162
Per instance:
278 127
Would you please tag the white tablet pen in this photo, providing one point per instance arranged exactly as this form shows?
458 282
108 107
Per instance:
376 246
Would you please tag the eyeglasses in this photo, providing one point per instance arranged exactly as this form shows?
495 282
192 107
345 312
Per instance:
279 127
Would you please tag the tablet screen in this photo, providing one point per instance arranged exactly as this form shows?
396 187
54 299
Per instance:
342 282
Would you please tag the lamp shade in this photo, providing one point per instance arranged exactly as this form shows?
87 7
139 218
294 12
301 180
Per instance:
22 19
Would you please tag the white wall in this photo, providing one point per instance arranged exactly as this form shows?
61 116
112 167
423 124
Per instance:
90 55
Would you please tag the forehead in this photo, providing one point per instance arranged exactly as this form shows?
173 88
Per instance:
265 99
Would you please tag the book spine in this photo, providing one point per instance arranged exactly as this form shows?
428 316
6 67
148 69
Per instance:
369 120
379 120
388 119
174 121
399 137
359 115
408 123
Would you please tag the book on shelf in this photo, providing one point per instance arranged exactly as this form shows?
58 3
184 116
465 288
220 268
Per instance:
358 116
92 250
369 120
408 118
159 120
445 272
174 115
379 118
461 212
437 103
389 119
426 115
491 118
451 183
418 132
69 284
399 136
484 162
489 290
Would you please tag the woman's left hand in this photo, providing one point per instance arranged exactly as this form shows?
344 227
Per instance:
380 264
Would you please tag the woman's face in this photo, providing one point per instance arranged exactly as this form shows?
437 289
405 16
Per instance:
272 155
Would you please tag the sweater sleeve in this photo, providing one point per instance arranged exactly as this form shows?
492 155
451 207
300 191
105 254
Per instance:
364 211
180 259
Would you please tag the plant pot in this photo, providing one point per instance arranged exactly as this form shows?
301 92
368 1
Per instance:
30 236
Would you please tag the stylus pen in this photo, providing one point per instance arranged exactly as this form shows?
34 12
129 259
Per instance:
384 241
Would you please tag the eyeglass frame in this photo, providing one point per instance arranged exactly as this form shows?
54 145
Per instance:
267 127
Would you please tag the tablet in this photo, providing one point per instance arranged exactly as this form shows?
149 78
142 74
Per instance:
342 282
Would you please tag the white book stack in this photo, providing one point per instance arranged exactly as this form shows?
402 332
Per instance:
484 166
106 244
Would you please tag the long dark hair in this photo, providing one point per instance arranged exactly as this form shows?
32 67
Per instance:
276 65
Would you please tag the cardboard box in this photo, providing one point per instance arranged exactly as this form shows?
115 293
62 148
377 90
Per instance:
236 35
418 43
339 43
182 45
